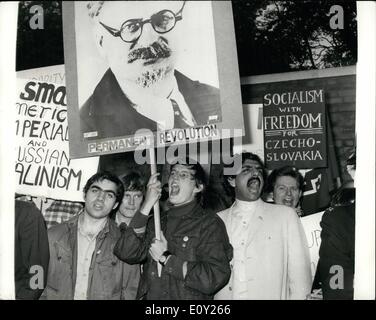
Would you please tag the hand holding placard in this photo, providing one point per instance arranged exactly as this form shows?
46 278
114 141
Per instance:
153 193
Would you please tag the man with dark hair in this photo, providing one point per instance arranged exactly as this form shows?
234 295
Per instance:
194 250
286 185
271 257
134 189
82 264
142 89
240 158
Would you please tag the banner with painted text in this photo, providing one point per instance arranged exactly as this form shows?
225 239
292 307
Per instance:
295 129
43 166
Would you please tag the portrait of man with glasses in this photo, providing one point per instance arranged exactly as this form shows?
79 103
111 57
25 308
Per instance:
141 42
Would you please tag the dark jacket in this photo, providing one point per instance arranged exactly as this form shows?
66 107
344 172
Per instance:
31 249
337 250
110 113
109 278
193 236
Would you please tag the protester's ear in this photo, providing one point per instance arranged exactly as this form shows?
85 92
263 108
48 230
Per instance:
198 188
231 181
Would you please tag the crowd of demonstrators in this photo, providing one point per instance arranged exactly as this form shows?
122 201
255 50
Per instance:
251 250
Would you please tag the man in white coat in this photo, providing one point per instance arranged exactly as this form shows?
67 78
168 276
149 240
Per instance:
271 256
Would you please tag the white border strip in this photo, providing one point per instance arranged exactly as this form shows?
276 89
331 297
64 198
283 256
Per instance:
8 35
364 282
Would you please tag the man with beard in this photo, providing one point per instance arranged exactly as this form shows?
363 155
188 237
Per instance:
271 258
194 249
82 264
141 89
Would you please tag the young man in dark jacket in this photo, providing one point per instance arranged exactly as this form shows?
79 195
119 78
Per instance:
82 264
194 249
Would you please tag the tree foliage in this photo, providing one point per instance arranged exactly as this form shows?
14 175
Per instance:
39 47
279 36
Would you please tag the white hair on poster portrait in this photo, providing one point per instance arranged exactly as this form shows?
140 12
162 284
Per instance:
197 49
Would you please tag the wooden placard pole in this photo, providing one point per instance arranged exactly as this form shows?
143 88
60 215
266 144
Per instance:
157 217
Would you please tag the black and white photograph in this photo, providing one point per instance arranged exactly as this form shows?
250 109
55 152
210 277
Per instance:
216 152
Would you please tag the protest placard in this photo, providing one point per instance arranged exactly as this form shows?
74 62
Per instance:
53 74
43 166
294 129
312 228
180 81
253 139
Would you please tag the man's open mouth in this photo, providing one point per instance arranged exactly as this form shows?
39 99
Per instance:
174 190
254 183
98 206
288 202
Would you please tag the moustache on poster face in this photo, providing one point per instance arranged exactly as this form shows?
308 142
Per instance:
157 50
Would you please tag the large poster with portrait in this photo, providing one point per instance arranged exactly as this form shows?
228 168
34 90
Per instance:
135 68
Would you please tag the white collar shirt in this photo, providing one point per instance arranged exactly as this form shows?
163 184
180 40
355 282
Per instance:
85 248
240 217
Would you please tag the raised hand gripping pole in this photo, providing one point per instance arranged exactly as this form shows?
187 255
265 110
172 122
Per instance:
157 217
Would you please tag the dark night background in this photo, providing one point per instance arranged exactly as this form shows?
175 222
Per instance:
271 36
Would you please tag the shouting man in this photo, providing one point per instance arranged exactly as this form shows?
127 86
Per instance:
271 258
194 250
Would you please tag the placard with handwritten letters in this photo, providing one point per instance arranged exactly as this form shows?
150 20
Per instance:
294 129
43 166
